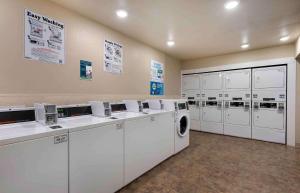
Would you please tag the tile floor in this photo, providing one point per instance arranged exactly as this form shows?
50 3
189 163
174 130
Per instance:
223 164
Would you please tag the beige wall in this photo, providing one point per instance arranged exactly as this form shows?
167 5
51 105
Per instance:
247 56
298 48
24 81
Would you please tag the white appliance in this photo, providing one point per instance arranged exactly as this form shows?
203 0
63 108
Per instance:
133 105
96 159
194 108
190 82
45 114
35 166
269 104
211 112
148 141
100 109
155 104
182 122
237 103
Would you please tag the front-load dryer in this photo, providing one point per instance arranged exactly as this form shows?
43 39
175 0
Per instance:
182 122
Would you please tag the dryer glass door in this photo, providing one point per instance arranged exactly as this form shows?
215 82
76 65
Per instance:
183 126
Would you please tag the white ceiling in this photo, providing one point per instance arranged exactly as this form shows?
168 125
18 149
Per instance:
200 28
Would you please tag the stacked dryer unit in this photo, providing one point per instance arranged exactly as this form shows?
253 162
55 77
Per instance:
211 111
269 104
237 103
191 90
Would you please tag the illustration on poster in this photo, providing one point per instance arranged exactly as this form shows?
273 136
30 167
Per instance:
44 38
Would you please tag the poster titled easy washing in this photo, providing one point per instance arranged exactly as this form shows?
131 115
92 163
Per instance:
157 78
44 38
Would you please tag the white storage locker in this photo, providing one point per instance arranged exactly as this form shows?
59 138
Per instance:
269 78
190 82
35 166
212 81
96 159
237 80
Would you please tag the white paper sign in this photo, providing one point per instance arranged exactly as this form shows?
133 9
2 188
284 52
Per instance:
113 57
44 38
157 71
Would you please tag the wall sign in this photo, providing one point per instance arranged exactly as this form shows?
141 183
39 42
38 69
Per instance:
157 78
44 38
156 88
86 70
113 57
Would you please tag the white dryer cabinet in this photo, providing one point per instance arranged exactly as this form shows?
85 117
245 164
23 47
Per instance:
148 141
34 166
96 159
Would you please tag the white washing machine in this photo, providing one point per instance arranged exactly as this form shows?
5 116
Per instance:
182 122
237 103
269 104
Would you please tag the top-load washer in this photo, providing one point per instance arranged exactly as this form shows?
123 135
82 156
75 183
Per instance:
211 111
237 103
182 122
269 104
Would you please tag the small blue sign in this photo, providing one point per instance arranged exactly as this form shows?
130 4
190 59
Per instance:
156 88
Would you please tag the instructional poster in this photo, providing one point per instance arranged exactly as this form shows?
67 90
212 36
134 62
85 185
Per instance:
157 78
113 57
86 70
44 38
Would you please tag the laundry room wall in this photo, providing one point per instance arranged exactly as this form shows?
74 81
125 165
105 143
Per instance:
248 56
24 81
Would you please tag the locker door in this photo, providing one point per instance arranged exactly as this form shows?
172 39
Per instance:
212 114
269 78
237 116
238 79
268 118
212 81
190 82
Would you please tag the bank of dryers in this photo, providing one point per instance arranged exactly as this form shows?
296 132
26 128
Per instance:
237 103
269 104
211 110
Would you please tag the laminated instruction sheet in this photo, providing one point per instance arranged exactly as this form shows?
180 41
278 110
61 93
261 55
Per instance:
44 38
157 78
113 57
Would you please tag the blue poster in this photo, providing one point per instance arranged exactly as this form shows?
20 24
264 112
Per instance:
86 71
156 88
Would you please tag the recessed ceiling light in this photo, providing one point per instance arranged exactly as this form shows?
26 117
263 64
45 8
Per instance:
284 38
245 46
231 4
170 43
121 13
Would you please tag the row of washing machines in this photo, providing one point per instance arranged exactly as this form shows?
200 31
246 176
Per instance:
248 103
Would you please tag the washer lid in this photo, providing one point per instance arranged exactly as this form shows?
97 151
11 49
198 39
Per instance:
183 125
